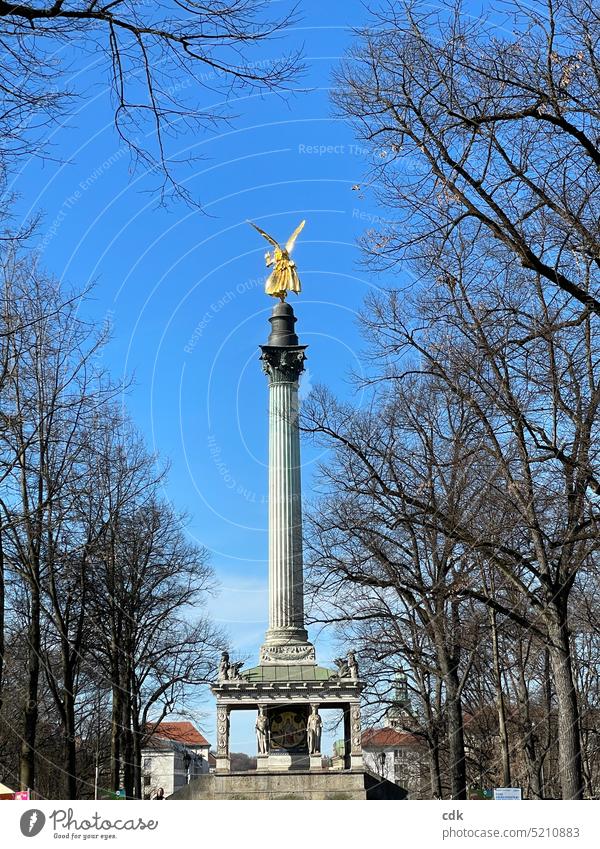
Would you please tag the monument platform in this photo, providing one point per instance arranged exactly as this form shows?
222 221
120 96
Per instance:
327 785
286 694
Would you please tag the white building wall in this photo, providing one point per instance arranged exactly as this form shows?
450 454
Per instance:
401 766
167 769
158 767
373 762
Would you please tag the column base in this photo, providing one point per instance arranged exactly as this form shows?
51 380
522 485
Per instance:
288 762
286 635
316 762
223 763
282 651
262 763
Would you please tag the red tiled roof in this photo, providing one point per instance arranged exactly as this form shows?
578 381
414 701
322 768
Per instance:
181 732
385 738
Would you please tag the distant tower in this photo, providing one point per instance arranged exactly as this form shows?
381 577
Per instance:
396 714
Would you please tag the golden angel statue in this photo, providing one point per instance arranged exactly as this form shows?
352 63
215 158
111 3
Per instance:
284 277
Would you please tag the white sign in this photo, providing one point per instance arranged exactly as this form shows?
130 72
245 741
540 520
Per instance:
507 794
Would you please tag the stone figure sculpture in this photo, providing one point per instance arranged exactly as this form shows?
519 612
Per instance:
314 727
224 667
262 731
229 671
347 666
352 665
223 722
234 670
284 277
343 668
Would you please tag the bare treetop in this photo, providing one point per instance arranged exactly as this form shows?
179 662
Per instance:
484 134
159 56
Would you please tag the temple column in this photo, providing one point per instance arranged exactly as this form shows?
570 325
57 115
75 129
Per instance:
356 755
223 761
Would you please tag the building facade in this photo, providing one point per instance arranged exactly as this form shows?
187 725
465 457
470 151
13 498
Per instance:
175 754
399 757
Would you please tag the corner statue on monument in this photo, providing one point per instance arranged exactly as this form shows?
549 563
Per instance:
287 688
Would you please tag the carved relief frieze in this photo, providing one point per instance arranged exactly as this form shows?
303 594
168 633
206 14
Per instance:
222 730
355 728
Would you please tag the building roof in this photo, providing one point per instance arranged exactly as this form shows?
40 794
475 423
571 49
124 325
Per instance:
287 672
180 732
388 738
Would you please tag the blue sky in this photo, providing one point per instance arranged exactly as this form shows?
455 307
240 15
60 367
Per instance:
183 294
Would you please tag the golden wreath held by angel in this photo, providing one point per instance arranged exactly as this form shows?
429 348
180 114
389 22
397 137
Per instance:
284 277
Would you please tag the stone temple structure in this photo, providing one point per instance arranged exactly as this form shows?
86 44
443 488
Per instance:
287 689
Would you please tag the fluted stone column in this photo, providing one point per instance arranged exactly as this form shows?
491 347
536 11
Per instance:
283 361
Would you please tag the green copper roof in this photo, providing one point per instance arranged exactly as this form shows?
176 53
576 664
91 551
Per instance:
287 673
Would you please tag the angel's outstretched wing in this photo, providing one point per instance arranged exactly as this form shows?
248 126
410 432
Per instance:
289 245
266 235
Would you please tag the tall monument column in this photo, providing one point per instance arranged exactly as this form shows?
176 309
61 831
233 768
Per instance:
286 640
288 688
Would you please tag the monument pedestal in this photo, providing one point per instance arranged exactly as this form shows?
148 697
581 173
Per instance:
288 762
287 695
351 785
262 763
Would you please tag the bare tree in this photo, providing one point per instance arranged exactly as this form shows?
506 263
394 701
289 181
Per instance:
484 130
368 534
486 156
96 570
80 518
521 365
149 634
51 387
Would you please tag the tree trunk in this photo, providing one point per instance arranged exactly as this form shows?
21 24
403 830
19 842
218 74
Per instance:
529 742
456 740
115 731
137 757
502 729
456 750
128 771
569 740
127 748
2 594
449 667
69 740
30 719
435 775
